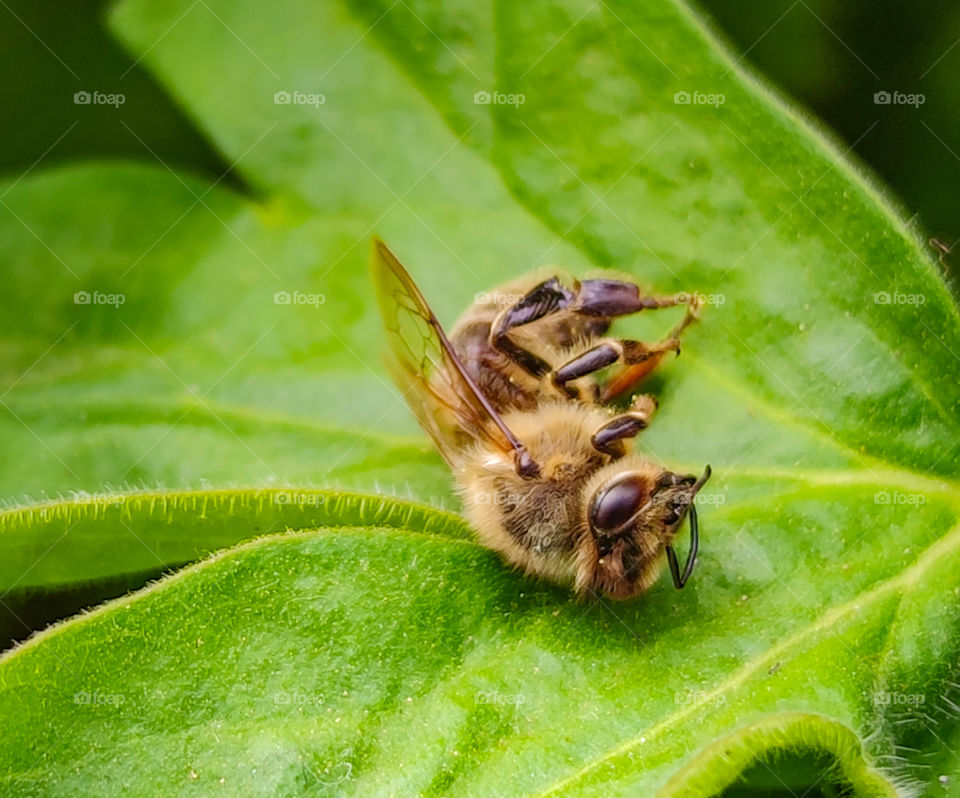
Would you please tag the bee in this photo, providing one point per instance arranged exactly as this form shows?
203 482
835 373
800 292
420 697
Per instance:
543 462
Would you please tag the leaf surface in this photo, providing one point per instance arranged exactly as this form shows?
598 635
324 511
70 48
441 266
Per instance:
822 386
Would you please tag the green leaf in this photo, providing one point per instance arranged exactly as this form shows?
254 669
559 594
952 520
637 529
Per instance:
107 396
822 385
381 660
142 530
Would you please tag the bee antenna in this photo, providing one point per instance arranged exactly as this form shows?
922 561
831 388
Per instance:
678 580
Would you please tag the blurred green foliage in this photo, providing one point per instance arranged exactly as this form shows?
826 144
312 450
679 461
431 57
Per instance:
834 56
51 49
830 56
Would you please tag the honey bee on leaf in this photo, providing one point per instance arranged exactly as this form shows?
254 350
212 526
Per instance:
544 464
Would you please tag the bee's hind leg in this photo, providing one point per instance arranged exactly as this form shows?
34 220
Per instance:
594 302
633 372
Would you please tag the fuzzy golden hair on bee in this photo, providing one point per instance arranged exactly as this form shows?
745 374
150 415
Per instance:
543 461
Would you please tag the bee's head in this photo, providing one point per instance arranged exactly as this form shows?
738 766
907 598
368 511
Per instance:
633 516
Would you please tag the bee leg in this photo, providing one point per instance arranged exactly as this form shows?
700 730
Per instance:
610 437
542 300
630 353
597 300
633 373
612 298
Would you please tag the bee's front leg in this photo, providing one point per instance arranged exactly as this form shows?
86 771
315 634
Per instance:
594 302
609 438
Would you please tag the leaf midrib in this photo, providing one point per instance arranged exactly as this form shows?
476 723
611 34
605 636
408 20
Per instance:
241 413
175 500
223 554
783 417
881 473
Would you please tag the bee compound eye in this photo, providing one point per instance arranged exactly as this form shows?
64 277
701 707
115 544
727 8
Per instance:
615 505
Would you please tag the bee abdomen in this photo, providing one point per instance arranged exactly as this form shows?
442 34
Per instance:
491 369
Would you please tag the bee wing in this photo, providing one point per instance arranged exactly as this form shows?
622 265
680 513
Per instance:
447 402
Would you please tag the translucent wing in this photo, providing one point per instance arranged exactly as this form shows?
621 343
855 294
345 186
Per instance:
439 390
